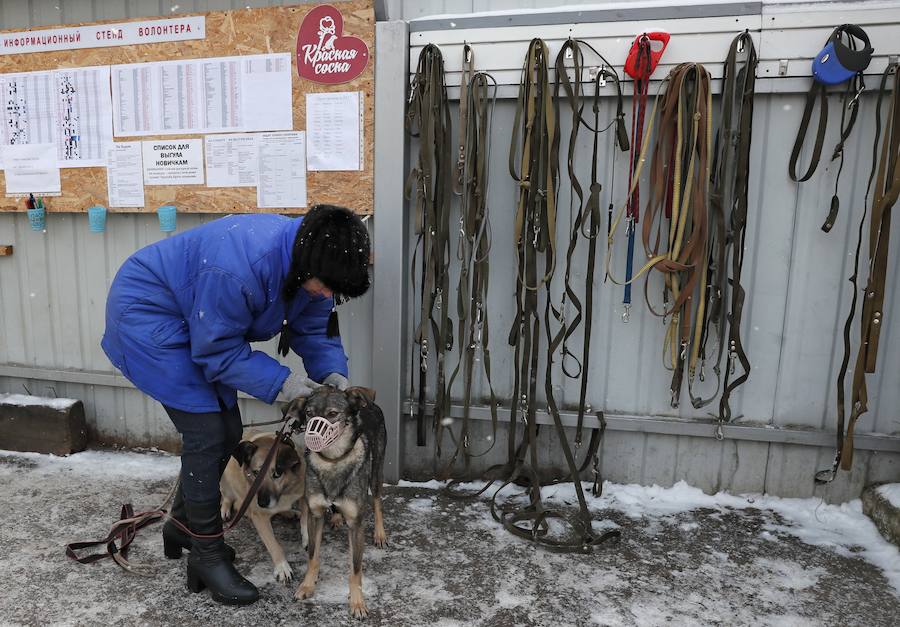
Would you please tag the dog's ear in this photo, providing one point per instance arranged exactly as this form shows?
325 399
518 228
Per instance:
360 397
244 452
294 409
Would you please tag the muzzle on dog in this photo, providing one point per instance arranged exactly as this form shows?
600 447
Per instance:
321 433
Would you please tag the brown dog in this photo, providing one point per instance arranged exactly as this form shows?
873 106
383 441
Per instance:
281 490
343 475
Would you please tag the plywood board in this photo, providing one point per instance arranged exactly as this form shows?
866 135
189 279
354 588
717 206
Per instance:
228 33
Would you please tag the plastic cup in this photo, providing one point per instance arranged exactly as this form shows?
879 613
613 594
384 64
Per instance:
97 219
38 218
167 221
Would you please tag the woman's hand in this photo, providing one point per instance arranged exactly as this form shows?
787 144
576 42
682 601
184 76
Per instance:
298 385
337 380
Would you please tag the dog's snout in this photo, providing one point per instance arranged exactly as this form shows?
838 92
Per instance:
266 499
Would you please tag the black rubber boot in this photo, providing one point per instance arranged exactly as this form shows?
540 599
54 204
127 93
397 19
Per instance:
208 565
174 539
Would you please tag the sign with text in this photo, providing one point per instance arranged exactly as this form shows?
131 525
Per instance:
104 35
176 162
324 53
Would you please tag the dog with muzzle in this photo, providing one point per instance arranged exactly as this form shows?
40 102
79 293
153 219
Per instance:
345 440
280 492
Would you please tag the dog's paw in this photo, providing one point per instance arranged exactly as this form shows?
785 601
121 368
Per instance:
226 513
358 607
283 572
305 591
380 539
337 520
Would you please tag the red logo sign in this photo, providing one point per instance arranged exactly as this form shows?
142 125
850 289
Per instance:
324 53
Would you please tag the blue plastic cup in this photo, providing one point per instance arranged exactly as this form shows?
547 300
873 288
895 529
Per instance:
38 218
97 219
167 218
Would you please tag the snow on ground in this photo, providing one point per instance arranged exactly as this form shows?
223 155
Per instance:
684 558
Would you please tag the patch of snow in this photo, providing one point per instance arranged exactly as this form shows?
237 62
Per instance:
434 484
118 464
842 528
891 492
421 505
24 400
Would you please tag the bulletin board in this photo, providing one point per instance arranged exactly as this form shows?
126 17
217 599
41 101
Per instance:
228 33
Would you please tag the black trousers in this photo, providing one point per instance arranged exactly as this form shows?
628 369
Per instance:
208 440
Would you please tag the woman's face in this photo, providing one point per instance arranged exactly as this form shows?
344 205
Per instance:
315 287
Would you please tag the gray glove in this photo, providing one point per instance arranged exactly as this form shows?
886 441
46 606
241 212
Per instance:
298 385
337 380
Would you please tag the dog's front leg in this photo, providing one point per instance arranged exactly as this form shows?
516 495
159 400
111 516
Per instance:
356 535
263 524
316 519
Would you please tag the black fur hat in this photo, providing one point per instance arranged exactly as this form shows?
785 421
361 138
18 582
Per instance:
332 246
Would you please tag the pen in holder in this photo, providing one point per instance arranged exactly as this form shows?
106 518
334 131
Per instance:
167 215
37 213
97 219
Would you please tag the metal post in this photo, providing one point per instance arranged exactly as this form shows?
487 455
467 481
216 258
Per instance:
390 233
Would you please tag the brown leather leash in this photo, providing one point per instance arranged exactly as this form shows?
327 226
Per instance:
126 528
885 173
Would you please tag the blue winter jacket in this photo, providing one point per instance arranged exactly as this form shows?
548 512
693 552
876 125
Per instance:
181 314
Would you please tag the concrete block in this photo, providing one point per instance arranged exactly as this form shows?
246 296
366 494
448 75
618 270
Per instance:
42 425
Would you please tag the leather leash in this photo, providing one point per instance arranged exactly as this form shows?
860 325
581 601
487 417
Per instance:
585 218
640 90
728 217
126 528
731 174
535 237
885 173
428 119
473 252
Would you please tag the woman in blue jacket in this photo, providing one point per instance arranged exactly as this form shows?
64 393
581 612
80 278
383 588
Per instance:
180 316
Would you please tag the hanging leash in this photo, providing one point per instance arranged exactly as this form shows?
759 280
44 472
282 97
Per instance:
724 293
639 65
473 253
730 189
536 173
835 64
885 173
130 523
585 216
428 119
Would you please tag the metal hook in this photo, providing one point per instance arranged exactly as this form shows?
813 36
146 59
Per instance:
626 315
720 433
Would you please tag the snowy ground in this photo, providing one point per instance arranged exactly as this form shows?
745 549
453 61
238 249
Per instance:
684 558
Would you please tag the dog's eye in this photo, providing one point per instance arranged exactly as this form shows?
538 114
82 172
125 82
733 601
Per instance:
332 413
276 474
